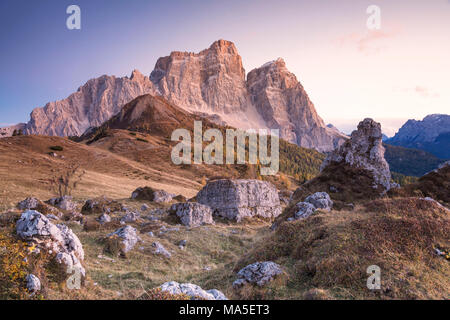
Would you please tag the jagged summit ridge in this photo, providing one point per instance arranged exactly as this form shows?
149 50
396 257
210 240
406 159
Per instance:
212 82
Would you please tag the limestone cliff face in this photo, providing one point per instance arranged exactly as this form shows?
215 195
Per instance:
284 104
94 103
212 83
212 80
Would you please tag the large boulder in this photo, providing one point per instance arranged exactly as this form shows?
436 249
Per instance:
237 199
192 290
150 194
364 150
192 214
58 240
258 273
128 237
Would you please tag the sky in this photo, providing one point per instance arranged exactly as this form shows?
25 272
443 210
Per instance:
398 72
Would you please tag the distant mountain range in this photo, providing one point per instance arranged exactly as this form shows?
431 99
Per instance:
211 82
432 134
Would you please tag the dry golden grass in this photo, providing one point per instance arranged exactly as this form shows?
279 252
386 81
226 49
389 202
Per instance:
331 251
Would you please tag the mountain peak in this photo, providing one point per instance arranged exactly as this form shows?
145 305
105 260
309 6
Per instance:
137 75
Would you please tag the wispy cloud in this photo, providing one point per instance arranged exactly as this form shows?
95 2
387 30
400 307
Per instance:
420 90
370 42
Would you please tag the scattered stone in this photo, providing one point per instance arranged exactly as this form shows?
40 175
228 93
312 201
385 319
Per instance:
149 194
145 207
128 235
258 273
334 189
129 217
28 204
101 205
182 243
151 234
164 230
159 249
104 218
192 291
303 210
64 203
237 199
192 214
320 200
33 283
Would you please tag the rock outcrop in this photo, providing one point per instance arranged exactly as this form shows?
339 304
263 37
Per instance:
259 273
238 199
192 214
192 290
58 240
364 150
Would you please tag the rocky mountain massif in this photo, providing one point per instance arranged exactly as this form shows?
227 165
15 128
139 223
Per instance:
431 134
212 82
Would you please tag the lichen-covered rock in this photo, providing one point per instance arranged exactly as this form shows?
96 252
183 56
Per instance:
192 291
320 200
237 199
160 250
33 283
192 214
28 204
128 236
130 216
364 150
258 273
104 218
149 194
57 239
303 210
65 203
